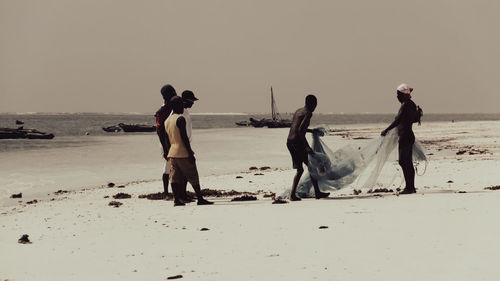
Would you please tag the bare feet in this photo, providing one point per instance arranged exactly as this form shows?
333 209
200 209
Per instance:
204 202
408 191
322 195
178 203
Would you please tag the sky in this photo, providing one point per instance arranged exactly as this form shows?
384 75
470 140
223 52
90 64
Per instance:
114 56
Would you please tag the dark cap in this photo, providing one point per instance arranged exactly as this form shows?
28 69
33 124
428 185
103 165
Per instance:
189 96
167 92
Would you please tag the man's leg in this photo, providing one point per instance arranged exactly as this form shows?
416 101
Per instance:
191 175
318 194
165 178
296 179
176 182
406 163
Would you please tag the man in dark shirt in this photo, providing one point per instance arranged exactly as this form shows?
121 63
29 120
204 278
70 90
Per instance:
407 115
167 92
298 146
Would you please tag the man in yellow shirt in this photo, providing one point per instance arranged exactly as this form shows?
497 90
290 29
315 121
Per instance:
180 154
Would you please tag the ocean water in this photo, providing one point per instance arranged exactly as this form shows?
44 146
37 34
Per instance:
75 159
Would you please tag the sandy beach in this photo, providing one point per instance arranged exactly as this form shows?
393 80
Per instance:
447 231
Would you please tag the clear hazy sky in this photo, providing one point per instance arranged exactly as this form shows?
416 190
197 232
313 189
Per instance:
114 56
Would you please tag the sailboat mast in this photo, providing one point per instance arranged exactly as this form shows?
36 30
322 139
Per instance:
273 114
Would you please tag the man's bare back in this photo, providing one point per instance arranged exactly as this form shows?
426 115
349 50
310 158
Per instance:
300 122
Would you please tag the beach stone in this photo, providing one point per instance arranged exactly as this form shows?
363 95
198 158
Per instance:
239 177
19 195
204 229
32 202
450 181
253 168
323 227
265 168
111 184
174 277
24 239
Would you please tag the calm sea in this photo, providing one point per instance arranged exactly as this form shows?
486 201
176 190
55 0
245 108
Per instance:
74 127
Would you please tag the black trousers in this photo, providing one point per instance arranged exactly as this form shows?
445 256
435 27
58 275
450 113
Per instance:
406 163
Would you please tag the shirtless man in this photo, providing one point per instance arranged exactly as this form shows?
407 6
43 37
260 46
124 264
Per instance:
298 146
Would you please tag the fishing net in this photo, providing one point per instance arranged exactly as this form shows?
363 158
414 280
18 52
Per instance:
350 164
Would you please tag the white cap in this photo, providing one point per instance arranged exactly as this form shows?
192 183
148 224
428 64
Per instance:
403 88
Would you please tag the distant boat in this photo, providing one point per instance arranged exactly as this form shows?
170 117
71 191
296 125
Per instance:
112 129
19 122
275 122
137 127
21 133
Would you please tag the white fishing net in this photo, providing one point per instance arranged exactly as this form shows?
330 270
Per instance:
357 166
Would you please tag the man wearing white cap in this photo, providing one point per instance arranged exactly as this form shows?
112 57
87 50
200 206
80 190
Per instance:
407 115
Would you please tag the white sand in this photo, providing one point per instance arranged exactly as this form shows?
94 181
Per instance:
437 234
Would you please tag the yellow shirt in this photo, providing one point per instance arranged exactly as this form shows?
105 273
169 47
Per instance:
177 147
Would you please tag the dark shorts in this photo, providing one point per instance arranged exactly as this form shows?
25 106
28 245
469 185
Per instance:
183 168
298 153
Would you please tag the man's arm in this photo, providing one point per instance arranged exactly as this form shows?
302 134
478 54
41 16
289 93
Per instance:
395 122
303 129
162 134
181 124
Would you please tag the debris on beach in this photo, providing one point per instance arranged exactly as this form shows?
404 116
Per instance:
156 196
174 277
323 227
253 168
269 195
111 184
24 239
461 191
223 193
107 196
122 195
245 198
204 229
472 151
356 191
115 204
450 181
496 187
279 201
19 195
265 168
239 177
258 174
121 186
60 191
380 190
32 202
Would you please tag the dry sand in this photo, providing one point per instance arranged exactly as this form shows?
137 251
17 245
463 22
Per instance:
447 231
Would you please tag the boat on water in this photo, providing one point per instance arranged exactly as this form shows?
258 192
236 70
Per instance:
112 129
137 127
275 122
21 133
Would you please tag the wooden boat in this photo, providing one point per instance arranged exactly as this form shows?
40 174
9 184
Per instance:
275 122
137 127
112 129
21 133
